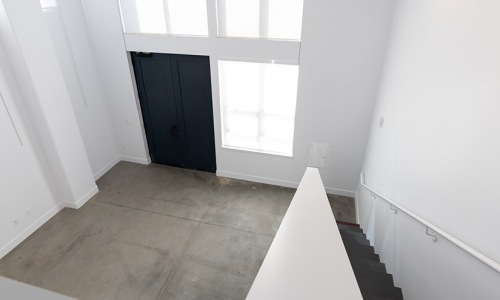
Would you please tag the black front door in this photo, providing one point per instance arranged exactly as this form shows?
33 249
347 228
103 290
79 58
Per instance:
176 101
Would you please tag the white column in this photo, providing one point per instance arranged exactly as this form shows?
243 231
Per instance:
29 46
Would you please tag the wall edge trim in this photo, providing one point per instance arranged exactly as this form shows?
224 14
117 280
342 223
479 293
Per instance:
137 160
31 229
84 199
258 179
107 167
340 192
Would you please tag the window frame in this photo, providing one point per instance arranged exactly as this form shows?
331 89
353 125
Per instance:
260 113
263 23
130 11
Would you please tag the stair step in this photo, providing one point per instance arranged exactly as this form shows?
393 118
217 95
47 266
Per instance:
355 239
380 289
372 297
349 228
353 234
366 263
371 275
362 254
358 247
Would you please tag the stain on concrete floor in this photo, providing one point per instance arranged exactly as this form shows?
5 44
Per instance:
158 232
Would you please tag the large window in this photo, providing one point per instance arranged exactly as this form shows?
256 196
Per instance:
258 106
178 17
274 19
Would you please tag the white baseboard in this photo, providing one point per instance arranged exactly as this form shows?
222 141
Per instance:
136 160
32 228
278 182
340 192
107 168
83 199
44 218
258 179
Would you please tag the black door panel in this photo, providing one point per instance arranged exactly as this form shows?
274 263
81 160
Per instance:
176 101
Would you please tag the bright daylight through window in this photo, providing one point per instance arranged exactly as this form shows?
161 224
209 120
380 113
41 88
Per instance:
273 19
46 4
178 17
258 106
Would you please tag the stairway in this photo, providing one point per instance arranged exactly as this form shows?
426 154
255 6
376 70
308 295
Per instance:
373 280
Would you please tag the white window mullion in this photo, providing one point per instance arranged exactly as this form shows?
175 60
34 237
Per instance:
221 17
212 15
264 19
262 99
168 26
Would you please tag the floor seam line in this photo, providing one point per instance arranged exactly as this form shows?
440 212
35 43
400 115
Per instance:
147 211
188 243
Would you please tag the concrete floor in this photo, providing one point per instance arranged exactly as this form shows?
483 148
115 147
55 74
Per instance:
157 232
343 208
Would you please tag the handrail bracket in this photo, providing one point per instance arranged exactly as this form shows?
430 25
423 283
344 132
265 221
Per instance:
431 233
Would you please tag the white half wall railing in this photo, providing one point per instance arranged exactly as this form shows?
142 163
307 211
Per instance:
307 258
433 230
12 289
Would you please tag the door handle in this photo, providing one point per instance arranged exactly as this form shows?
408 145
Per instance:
173 130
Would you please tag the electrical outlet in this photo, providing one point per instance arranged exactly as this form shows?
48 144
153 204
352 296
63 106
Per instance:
28 212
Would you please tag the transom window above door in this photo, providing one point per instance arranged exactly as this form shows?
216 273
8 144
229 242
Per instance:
267 19
263 19
177 17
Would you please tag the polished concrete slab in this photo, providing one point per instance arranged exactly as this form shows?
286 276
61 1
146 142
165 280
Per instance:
157 232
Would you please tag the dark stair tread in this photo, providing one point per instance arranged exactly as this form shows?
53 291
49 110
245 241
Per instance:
353 233
374 276
369 266
349 245
381 290
349 227
355 239
365 255
366 263
372 297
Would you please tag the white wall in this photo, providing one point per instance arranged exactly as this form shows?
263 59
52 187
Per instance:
49 168
21 175
341 54
73 47
437 153
38 69
105 29
343 45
